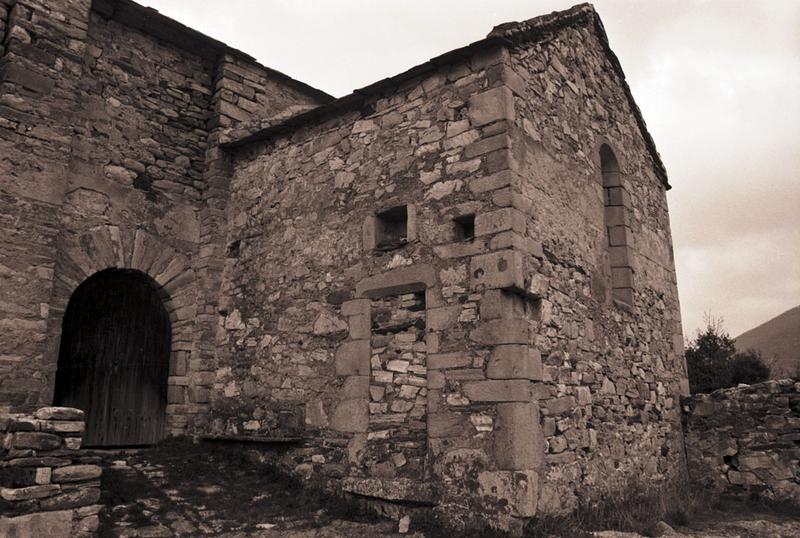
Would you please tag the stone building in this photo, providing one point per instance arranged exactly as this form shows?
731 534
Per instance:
454 286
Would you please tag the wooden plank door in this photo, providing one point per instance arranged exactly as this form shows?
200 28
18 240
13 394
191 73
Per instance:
114 358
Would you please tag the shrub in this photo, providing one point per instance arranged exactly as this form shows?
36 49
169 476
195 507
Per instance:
713 362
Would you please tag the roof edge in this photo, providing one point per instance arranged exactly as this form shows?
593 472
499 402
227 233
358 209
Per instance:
357 97
151 22
533 29
502 35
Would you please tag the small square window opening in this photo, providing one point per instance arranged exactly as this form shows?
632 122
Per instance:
392 228
465 227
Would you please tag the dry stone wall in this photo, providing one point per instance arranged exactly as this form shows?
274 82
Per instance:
48 487
745 442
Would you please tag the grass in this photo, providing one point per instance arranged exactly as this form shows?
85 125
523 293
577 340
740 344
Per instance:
223 478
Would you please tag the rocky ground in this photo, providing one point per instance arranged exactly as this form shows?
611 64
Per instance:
177 490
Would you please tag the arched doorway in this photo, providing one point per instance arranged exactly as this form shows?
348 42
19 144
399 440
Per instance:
113 360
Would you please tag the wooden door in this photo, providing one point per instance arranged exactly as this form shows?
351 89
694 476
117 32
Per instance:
113 360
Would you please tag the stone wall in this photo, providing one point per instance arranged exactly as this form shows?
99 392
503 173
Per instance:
5 7
744 442
109 157
613 370
48 487
540 388
305 346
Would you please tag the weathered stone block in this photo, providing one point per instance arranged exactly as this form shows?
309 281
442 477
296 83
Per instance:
63 426
359 327
487 145
618 196
504 269
557 406
440 319
516 390
514 362
351 416
501 220
520 489
501 331
617 216
492 105
446 425
76 473
356 386
397 281
518 440
620 236
356 307
56 524
30 492
498 303
59 413
499 180
36 440
83 496
622 277
440 361
352 358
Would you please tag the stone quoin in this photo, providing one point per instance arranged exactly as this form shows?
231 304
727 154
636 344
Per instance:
453 287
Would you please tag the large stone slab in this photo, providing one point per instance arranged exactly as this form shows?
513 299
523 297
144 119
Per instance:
352 358
490 106
56 524
520 489
351 416
76 473
514 361
518 439
501 331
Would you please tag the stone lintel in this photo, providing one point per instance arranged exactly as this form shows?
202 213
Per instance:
396 281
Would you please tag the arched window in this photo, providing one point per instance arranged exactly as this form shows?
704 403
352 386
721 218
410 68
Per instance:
617 220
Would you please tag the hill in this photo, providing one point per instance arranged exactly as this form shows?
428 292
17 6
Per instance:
778 340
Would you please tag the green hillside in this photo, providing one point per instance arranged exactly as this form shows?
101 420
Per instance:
778 340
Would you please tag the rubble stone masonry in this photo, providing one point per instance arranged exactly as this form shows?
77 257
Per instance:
48 486
540 384
109 158
743 442
454 287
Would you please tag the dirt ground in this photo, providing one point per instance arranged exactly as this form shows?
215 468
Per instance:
179 489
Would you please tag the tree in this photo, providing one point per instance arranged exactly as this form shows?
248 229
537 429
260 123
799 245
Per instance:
713 362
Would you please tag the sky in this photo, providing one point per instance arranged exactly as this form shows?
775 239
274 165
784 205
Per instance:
718 83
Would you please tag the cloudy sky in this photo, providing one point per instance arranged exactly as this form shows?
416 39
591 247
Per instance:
718 82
